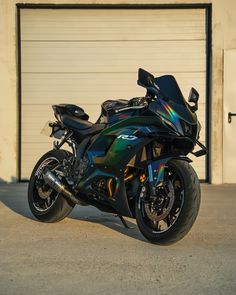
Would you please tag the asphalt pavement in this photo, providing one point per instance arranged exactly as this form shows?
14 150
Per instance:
90 252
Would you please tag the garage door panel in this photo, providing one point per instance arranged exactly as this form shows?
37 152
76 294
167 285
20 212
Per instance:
199 165
100 57
87 56
120 25
32 123
33 152
39 88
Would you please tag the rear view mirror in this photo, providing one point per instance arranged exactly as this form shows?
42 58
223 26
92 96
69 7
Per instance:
193 97
145 79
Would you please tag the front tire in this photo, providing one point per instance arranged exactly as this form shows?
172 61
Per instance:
55 207
186 203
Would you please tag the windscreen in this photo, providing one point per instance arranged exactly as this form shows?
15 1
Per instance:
170 89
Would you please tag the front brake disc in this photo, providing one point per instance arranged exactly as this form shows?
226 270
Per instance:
152 214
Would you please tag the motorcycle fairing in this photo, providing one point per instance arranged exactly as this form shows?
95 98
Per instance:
113 148
116 145
110 153
174 113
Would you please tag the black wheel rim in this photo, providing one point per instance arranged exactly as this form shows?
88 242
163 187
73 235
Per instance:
44 196
173 177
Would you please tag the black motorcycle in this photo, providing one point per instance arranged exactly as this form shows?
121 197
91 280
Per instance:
132 162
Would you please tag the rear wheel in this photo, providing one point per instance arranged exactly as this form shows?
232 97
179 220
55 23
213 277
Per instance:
168 216
45 203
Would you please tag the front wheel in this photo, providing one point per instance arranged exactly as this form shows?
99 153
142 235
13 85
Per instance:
45 203
169 215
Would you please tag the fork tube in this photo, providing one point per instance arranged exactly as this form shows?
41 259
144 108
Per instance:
150 172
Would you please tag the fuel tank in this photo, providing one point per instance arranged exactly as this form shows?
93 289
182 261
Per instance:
113 111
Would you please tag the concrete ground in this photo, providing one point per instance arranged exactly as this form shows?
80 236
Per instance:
91 253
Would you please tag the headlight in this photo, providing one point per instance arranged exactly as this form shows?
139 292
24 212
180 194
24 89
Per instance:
187 128
168 123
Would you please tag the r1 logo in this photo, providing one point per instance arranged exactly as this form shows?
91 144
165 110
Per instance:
127 137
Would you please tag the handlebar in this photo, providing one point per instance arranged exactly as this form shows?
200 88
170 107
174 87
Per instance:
140 101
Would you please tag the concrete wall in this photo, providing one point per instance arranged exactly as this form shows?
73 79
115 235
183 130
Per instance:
224 37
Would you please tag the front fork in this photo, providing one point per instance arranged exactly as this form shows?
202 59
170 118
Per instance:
156 170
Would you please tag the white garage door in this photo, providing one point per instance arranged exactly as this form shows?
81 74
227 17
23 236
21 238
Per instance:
87 56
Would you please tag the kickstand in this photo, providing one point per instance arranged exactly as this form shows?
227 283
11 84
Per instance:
124 222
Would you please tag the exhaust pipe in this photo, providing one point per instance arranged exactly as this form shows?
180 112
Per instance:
54 182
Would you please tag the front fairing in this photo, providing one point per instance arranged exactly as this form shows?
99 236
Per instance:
171 106
172 111
176 115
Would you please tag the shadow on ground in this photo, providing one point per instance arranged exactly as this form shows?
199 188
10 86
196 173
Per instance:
14 197
94 216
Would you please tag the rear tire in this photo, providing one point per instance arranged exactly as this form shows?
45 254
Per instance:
187 215
60 207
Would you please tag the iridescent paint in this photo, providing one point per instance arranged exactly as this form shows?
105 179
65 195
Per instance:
171 115
158 169
160 172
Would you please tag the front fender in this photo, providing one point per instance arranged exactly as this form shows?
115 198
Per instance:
156 168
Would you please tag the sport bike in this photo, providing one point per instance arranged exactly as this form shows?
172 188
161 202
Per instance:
132 162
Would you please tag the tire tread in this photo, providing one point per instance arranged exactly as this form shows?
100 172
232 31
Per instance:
62 207
188 213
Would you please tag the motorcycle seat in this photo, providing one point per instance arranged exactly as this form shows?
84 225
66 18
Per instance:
81 126
70 109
